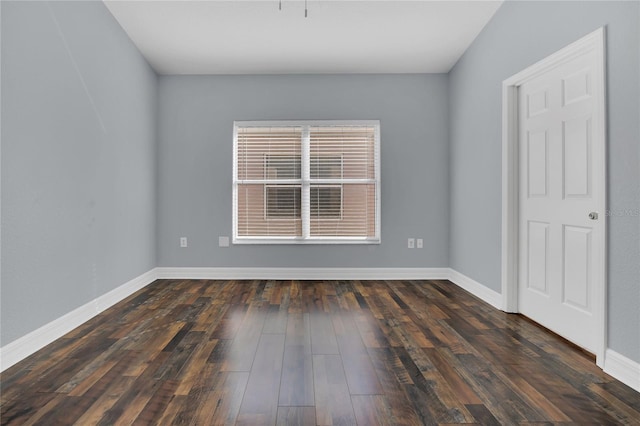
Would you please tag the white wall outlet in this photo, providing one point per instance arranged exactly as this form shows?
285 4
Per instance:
183 241
411 243
223 241
419 243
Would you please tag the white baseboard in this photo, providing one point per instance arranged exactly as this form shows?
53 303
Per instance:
28 344
304 273
622 368
492 297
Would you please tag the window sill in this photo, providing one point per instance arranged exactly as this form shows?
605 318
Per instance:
297 240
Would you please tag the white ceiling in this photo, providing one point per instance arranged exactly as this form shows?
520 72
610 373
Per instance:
255 37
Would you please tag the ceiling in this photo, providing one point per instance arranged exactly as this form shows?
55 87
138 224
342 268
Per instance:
255 37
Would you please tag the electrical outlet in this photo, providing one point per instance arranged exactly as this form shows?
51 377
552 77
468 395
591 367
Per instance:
419 243
411 243
223 241
183 241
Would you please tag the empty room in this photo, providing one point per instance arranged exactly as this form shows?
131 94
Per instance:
317 212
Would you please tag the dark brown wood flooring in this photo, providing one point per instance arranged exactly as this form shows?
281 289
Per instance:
311 352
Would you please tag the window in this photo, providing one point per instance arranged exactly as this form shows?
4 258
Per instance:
306 182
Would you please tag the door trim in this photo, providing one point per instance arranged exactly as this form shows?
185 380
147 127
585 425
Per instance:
594 41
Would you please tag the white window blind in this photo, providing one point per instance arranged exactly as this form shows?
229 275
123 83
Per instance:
306 182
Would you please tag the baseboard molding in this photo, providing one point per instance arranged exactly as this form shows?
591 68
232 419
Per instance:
30 343
622 368
492 297
304 273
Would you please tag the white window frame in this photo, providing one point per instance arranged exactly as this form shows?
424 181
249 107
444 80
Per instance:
306 238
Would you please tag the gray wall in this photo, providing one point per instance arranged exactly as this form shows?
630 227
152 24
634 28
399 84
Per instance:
78 160
520 34
195 156
80 194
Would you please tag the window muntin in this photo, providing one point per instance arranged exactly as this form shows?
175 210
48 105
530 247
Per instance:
306 182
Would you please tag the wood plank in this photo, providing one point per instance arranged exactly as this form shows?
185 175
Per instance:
296 416
172 409
434 394
370 332
221 404
154 409
133 399
67 412
208 381
333 402
22 411
276 319
97 410
260 402
245 343
78 385
617 409
296 384
463 391
393 376
323 337
361 377
372 410
504 402
482 415
43 412
195 365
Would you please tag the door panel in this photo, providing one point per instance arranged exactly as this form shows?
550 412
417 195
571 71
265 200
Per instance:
577 255
576 86
576 154
537 102
537 164
538 249
557 260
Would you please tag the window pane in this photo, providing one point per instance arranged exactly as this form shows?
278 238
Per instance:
283 201
259 148
325 167
282 166
358 214
326 201
355 145
252 220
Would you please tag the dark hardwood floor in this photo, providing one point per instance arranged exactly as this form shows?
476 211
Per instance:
311 352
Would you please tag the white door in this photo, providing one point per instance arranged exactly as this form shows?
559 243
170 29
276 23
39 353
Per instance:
561 192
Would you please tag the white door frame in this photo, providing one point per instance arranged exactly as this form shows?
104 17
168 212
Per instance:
591 42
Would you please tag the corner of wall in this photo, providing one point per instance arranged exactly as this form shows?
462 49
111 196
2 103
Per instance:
449 170
156 167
